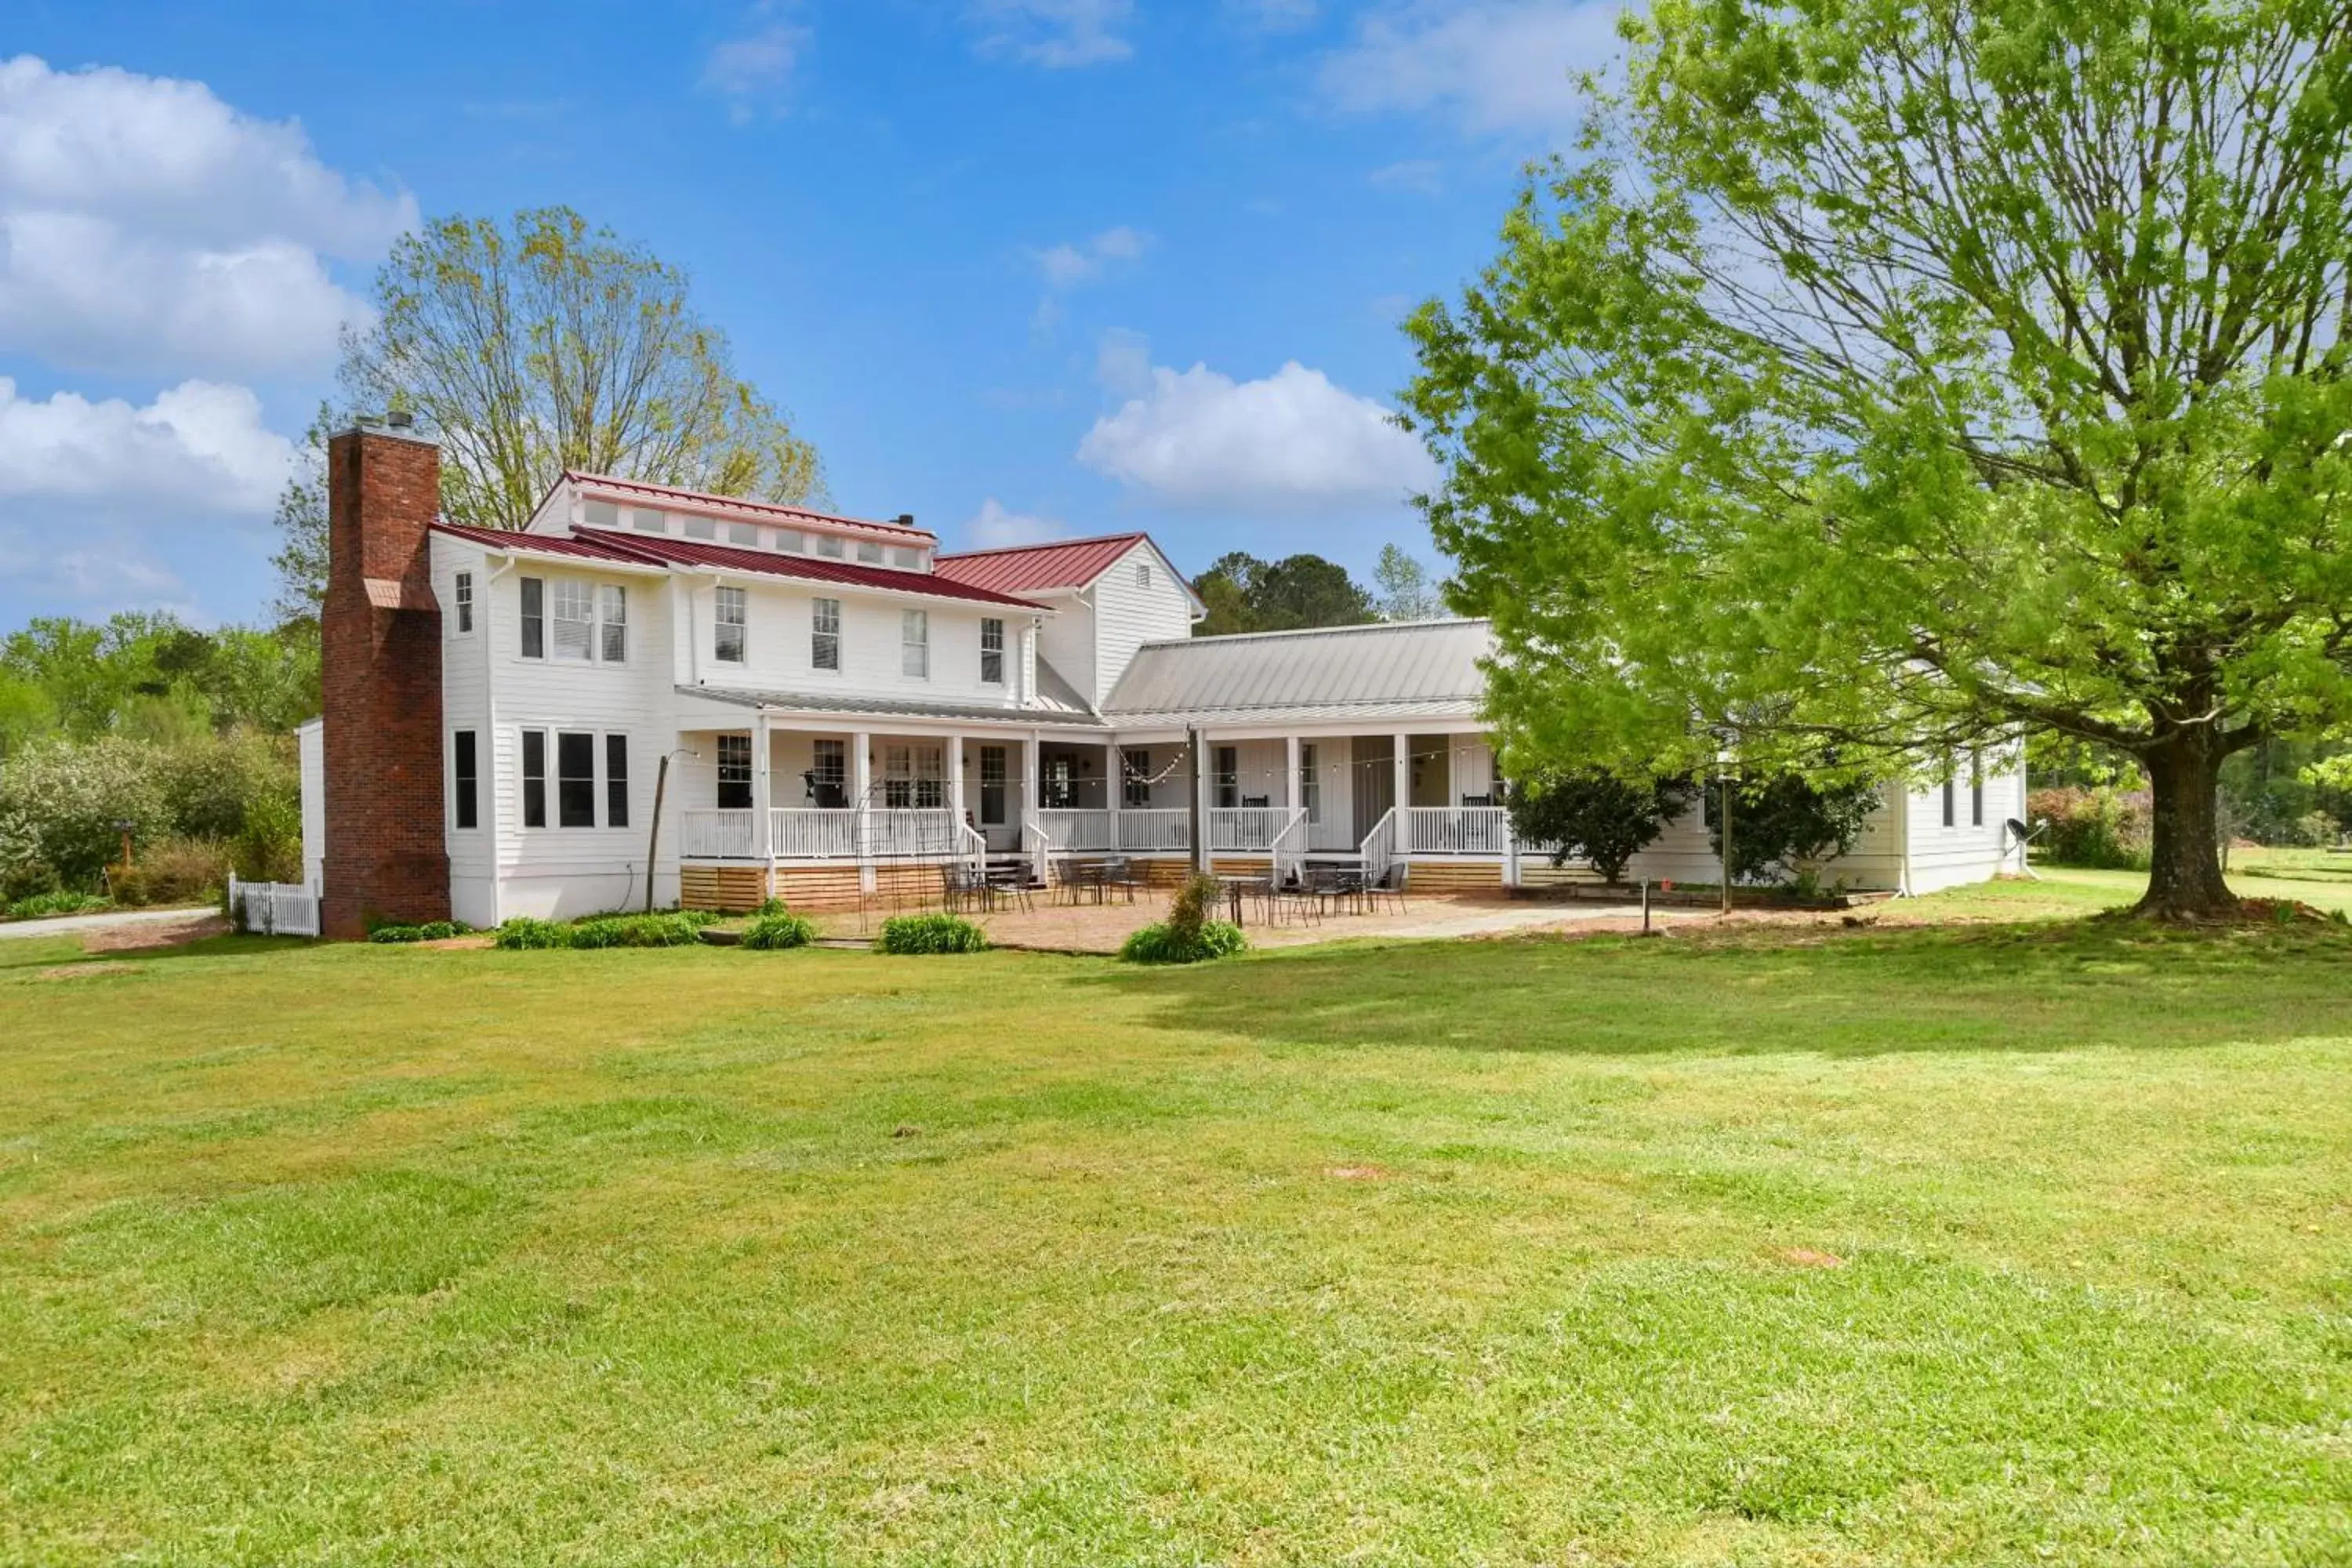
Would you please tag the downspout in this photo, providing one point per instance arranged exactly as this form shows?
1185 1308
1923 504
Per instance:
1903 836
491 710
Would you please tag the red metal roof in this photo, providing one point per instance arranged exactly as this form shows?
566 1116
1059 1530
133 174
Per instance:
691 501
514 539
665 550
1065 563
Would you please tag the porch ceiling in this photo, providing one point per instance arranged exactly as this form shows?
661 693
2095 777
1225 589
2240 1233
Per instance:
1054 717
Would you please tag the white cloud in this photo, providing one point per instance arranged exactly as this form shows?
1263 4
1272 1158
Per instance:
994 528
147 226
1067 265
1422 177
1491 69
756 68
199 448
1291 442
1056 34
1272 15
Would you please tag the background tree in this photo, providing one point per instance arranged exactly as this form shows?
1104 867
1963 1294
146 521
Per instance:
301 558
545 345
1913 374
1595 816
1244 594
1406 592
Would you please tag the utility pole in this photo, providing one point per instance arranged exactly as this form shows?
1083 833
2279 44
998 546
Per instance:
1192 800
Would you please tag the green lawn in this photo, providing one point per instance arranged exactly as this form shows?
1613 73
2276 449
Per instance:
2001 1244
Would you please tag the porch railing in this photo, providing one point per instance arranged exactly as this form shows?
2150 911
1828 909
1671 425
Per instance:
1152 830
1078 832
1457 829
1247 827
909 834
813 833
1379 848
718 835
1288 852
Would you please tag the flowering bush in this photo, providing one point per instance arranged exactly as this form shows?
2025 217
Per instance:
2090 826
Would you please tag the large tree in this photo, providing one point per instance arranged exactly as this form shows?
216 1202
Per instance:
544 344
1244 594
1886 377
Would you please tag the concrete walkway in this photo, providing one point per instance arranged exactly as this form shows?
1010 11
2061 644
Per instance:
108 920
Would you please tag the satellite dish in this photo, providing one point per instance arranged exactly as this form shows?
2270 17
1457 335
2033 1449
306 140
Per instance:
2018 830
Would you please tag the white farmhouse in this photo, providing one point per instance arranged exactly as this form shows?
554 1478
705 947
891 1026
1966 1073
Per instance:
731 700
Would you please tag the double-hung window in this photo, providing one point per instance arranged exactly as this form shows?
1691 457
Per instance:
992 651
728 615
1310 784
573 607
534 617
825 634
828 781
734 772
1976 789
1135 777
534 778
1951 800
915 643
612 622
869 552
1060 784
465 597
465 764
576 779
1228 768
616 781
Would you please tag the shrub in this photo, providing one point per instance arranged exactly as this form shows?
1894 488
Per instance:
175 871
1160 944
61 802
214 785
1783 828
431 930
1596 815
675 928
772 930
930 934
53 903
2098 827
524 933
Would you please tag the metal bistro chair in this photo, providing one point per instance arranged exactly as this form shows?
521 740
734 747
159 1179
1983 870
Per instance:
1344 888
1011 883
1389 885
1067 883
1118 872
955 886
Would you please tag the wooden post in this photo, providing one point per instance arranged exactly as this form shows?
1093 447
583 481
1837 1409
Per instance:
653 833
1726 843
1193 739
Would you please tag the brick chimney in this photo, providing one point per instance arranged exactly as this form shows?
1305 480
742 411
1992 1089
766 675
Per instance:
387 856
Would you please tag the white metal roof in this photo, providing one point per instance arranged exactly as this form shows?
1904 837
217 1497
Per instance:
1410 669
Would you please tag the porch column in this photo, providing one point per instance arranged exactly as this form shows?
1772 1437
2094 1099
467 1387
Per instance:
1032 770
955 787
1291 793
764 842
1114 785
1403 758
861 777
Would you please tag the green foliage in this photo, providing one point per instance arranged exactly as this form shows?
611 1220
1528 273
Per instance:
774 930
1161 943
543 344
1595 816
1195 901
53 903
930 934
1783 828
1244 594
2095 827
1888 378
174 871
148 677
61 803
524 933
1406 593
431 930
668 928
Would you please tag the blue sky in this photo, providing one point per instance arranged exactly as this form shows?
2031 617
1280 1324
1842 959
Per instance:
1022 268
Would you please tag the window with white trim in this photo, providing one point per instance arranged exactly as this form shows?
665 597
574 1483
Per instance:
534 617
869 551
829 545
1976 789
915 643
576 779
1310 782
743 533
572 611
701 528
825 634
906 560
734 772
646 519
828 781
992 651
729 631
993 774
1135 777
465 764
616 781
534 778
465 597
612 622
600 514
1226 787
914 778
1060 784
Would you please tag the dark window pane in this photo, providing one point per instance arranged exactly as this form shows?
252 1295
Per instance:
734 772
465 766
616 781
534 618
575 780
534 778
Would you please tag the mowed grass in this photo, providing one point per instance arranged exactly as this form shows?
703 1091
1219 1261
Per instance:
1999 1244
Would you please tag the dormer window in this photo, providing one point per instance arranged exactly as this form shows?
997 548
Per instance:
600 514
644 520
743 533
829 545
788 540
869 552
905 559
701 528
992 651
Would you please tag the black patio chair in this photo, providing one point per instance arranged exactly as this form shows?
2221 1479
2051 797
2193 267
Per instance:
1119 872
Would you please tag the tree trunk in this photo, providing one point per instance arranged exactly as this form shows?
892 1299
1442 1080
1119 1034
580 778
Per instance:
2184 877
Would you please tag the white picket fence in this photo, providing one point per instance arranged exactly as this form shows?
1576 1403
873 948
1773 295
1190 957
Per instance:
273 909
